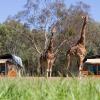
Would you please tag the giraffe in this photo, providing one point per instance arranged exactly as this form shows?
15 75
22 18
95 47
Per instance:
47 58
78 51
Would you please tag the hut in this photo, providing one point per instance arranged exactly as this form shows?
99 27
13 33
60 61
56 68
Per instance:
91 65
11 65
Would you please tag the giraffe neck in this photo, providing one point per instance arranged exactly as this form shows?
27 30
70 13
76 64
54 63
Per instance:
82 37
51 44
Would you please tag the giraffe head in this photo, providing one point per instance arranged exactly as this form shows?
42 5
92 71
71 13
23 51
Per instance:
53 29
85 18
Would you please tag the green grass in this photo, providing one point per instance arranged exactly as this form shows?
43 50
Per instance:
49 89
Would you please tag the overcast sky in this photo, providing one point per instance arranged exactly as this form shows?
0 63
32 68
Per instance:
11 7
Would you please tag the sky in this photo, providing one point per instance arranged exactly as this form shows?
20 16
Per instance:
11 7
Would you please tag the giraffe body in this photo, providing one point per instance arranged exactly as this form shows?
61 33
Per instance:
75 58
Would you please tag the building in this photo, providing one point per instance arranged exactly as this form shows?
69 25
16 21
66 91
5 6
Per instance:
10 65
91 65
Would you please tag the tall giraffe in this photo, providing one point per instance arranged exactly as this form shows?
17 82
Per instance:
47 58
49 55
78 50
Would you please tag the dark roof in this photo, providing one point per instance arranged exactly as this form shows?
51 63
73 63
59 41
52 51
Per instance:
15 59
91 57
6 56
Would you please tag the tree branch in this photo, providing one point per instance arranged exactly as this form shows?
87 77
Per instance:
57 50
33 42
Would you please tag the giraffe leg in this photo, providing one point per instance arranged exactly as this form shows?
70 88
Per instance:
47 73
68 64
48 66
50 69
50 72
80 65
51 65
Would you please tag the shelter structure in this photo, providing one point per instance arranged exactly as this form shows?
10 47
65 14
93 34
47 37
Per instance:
92 65
10 65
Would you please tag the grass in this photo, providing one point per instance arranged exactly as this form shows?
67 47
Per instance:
49 89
